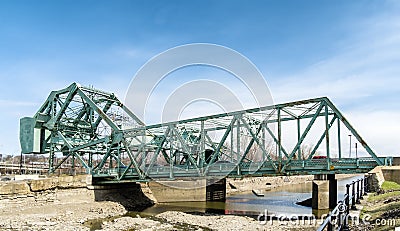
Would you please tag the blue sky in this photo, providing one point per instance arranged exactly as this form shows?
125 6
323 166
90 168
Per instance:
346 50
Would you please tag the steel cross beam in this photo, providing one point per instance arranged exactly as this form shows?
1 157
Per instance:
112 144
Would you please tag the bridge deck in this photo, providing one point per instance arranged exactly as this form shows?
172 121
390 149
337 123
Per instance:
298 167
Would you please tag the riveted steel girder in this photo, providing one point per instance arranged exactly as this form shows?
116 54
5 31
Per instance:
110 142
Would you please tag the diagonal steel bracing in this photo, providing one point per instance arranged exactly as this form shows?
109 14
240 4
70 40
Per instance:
111 143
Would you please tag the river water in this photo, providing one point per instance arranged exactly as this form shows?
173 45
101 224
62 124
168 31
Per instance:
279 201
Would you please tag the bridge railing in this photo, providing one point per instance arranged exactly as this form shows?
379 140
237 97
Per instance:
341 213
360 165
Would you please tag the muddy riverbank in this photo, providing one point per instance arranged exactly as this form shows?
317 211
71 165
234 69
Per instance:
66 209
173 220
75 209
68 204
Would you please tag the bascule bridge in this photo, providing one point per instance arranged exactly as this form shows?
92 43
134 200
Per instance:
85 129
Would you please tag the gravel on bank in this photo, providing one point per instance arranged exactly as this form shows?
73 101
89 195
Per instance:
76 209
229 222
172 220
131 223
63 210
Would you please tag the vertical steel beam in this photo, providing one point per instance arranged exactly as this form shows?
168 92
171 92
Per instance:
238 140
263 141
143 158
110 162
171 155
90 162
279 139
231 151
51 155
327 127
238 147
202 157
339 140
298 137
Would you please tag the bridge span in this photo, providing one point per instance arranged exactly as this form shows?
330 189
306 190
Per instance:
89 129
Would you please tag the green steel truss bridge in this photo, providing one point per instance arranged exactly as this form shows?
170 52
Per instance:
91 130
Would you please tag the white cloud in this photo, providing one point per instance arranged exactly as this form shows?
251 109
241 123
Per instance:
13 103
362 75
379 129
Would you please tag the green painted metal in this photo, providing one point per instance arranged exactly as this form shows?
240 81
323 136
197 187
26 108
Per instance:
85 128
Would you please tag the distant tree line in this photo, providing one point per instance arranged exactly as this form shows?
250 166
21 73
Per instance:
27 159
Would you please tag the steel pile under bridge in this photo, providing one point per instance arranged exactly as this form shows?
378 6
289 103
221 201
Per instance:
93 130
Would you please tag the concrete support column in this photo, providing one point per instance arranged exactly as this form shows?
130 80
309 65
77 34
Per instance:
332 191
324 192
189 190
216 190
320 194
179 190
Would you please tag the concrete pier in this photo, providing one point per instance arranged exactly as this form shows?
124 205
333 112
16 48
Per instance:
216 190
179 190
332 191
324 192
189 190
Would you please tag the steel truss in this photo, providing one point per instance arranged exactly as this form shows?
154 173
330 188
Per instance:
95 131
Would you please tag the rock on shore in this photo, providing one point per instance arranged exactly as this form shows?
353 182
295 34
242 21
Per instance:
66 204
228 222
68 210
130 223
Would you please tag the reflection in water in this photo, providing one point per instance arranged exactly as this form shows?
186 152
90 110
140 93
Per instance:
280 201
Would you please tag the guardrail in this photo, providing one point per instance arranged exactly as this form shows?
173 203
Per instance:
298 167
340 213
